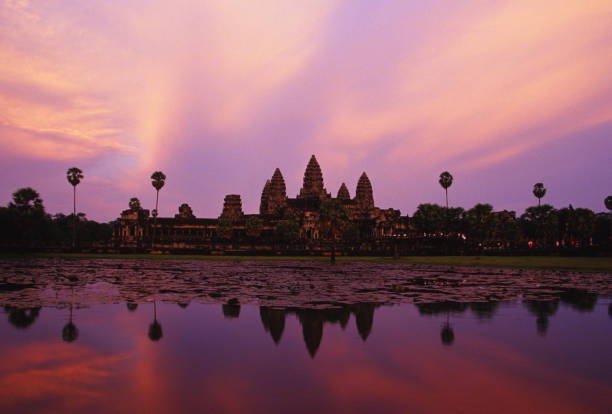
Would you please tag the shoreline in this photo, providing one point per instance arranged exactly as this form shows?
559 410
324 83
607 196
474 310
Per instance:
581 264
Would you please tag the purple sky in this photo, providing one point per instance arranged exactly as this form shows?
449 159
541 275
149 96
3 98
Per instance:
502 94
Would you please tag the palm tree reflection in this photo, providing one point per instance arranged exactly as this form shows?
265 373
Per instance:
542 310
155 329
22 318
70 332
447 335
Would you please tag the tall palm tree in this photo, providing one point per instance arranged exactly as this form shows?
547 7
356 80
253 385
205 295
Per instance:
333 218
74 177
608 202
446 180
159 179
539 191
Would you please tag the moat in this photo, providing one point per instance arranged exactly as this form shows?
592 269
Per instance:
114 335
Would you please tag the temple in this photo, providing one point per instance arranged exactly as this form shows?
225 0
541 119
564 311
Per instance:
277 213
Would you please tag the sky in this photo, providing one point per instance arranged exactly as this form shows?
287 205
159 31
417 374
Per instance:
503 94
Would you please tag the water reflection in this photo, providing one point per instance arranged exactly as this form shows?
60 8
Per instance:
542 310
70 332
447 334
231 309
322 360
314 320
579 299
22 318
155 329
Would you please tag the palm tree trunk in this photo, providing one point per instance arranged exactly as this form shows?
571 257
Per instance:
539 201
74 216
155 219
446 190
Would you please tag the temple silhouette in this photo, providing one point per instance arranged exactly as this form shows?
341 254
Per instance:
260 231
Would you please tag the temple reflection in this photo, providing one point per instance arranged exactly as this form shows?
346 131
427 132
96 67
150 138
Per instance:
273 321
313 321
231 309
484 310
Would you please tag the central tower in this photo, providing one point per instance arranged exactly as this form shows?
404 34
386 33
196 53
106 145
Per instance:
313 182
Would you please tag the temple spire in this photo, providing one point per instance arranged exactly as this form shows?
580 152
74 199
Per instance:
343 193
265 197
313 181
364 195
277 194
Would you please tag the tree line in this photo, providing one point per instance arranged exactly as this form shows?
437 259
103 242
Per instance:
24 220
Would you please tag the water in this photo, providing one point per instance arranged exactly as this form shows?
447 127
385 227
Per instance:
85 345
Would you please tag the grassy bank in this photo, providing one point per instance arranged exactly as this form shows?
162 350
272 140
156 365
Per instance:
589 264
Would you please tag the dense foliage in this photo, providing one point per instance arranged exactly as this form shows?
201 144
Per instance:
24 221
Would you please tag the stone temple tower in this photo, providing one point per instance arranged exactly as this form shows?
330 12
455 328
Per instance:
274 195
313 182
364 197
265 197
232 208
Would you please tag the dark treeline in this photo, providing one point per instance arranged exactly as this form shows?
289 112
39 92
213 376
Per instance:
542 225
25 222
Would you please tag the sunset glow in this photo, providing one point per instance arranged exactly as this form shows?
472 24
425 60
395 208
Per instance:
218 94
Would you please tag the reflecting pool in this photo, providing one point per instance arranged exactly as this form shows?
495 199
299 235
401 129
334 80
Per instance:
86 344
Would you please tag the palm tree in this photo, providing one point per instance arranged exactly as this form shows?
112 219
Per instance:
134 204
446 180
333 218
159 179
608 202
74 177
539 191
